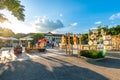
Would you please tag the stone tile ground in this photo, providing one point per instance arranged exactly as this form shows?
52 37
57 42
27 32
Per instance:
55 65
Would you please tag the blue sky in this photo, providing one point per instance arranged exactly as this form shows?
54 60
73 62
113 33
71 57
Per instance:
77 16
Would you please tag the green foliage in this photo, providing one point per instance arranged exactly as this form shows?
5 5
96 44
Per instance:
2 19
71 40
20 35
91 54
84 38
5 32
114 30
14 6
36 37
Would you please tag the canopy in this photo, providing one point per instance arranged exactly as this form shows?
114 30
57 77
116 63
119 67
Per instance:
26 38
42 40
3 38
11 38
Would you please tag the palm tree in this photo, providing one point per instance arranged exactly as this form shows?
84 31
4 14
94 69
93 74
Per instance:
14 6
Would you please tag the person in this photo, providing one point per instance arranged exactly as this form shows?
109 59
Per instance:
52 45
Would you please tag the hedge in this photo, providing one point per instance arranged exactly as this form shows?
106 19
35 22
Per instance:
92 54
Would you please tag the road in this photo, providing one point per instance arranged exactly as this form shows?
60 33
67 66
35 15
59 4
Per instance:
55 65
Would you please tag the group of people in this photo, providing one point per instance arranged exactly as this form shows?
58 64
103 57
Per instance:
50 45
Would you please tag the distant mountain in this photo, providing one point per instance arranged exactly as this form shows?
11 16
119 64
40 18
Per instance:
5 32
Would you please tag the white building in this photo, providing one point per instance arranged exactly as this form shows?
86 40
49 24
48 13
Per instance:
53 38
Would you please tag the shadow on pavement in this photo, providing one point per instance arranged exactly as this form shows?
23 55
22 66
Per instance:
107 62
53 59
113 54
32 70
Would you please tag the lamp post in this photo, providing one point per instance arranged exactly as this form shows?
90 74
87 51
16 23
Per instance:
71 44
78 42
67 43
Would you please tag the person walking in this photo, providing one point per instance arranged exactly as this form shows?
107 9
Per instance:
52 45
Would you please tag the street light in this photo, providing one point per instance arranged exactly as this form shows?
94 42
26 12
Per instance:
68 41
80 36
78 41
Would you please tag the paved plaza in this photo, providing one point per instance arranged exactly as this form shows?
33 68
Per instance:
56 65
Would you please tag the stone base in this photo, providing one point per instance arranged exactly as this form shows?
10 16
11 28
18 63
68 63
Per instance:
62 46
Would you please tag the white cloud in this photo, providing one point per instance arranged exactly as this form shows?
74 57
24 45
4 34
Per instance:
112 25
98 22
15 25
43 24
115 16
18 27
74 24
67 29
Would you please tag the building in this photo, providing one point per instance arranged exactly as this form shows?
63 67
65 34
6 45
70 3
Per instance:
53 38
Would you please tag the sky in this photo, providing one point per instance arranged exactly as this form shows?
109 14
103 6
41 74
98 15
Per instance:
62 16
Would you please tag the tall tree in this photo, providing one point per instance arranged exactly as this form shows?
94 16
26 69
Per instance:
20 35
5 32
37 36
14 6
84 38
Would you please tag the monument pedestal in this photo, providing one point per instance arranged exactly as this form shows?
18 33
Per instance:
62 46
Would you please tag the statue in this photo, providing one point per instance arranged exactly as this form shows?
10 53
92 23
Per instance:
68 39
74 39
63 41
28 45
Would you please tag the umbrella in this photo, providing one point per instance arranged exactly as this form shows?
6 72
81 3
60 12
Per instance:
12 39
42 40
3 38
26 38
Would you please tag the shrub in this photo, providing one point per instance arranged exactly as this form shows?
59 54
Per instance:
92 54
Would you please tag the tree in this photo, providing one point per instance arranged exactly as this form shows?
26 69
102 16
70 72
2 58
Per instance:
114 30
84 38
20 35
5 32
36 37
14 6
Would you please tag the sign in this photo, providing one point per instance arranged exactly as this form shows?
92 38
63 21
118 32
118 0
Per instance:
92 36
95 42
108 37
100 46
90 42
106 42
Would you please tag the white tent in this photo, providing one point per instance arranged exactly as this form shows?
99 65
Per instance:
12 39
3 38
26 38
